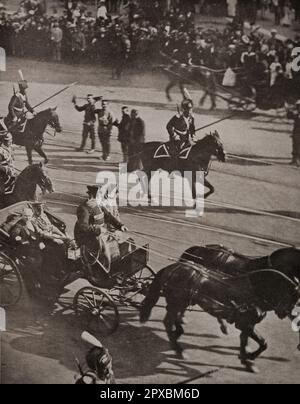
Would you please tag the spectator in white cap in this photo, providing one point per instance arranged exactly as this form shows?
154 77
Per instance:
102 11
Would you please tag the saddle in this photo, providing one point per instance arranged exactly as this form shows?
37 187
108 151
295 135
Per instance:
20 127
15 128
164 151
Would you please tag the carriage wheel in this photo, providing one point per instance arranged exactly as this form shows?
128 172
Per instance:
136 287
11 285
98 310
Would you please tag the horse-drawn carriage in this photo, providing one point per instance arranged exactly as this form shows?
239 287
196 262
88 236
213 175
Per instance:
240 96
125 282
243 91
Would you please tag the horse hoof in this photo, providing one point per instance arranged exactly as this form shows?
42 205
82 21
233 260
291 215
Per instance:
224 329
182 355
250 367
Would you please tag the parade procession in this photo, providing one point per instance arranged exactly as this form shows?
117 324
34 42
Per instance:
149 192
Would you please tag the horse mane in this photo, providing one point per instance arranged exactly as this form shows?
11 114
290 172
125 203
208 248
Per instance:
28 169
208 137
41 113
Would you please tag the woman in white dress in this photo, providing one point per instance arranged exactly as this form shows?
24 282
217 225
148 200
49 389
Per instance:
287 20
232 4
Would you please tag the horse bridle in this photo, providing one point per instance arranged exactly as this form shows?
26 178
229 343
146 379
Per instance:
295 286
44 179
53 126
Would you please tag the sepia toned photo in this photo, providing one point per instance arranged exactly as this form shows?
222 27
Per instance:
149 194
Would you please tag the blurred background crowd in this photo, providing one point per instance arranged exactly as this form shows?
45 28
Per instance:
136 31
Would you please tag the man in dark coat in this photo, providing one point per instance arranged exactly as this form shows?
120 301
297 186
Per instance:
88 123
92 217
106 121
124 132
296 135
137 139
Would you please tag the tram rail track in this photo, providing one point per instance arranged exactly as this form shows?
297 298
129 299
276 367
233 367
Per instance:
179 222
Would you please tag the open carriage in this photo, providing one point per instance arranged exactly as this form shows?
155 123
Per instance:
241 96
247 94
124 281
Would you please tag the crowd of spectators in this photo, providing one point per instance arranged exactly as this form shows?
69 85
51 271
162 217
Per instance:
136 32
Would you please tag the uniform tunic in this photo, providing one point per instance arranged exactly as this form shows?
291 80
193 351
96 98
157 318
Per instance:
106 121
17 107
181 126
91 219
88 124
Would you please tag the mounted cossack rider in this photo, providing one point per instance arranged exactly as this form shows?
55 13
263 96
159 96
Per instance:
181 128
7 169
17 108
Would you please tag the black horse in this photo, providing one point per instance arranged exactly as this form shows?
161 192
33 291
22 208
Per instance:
194 159
222 259
243 301
26 184
33 136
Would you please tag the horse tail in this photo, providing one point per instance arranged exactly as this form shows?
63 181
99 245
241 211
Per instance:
151 298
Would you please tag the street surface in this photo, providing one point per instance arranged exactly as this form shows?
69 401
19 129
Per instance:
255 211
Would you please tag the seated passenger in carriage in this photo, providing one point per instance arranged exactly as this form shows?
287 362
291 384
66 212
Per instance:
93 217
91 226
29 244
7 169
55 253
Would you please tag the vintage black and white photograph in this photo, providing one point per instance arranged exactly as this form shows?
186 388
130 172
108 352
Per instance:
149 193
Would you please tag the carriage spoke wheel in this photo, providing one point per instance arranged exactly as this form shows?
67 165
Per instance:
136 287
98 310
11 285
